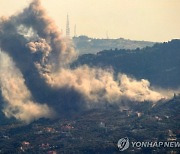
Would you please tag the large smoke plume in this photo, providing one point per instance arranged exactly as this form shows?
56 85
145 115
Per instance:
19 102
36 68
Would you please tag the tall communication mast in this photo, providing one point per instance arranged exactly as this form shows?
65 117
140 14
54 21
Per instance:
67 27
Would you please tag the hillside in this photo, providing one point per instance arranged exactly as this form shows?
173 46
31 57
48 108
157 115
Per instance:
96 131
86 45
159 64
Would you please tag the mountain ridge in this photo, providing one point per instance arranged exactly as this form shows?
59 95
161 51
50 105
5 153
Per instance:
85 44
159 64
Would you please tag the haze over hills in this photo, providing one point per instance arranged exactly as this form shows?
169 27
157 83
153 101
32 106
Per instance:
159 64
35 59
85 44
51 101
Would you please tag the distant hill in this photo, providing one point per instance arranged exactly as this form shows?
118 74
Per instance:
159 64
86 45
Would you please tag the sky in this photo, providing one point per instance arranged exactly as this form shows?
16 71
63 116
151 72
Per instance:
151 20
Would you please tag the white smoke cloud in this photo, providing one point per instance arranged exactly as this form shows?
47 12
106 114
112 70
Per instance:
19 103
98 85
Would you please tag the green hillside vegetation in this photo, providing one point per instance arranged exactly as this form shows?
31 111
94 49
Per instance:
159 64
96 131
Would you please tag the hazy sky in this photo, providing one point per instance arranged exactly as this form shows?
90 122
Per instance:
154 20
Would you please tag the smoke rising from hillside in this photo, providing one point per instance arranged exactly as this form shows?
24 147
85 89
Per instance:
42 57
98 85
19 102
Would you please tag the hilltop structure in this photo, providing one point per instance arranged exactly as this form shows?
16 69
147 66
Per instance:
67 27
